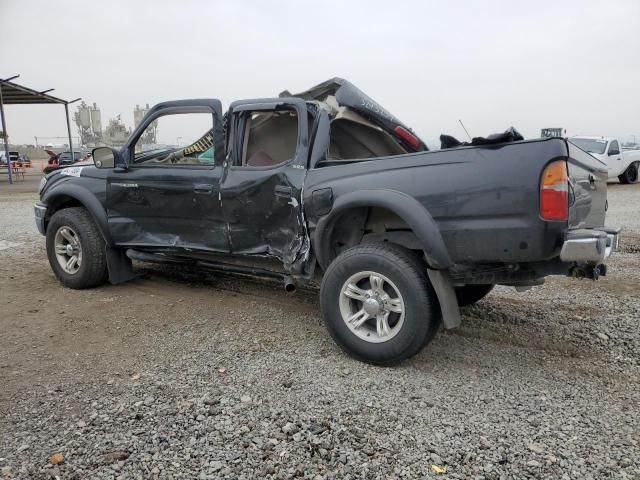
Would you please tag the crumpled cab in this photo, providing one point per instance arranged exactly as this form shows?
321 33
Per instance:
328 187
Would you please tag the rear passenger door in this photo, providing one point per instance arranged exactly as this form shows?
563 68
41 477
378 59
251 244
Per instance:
263 176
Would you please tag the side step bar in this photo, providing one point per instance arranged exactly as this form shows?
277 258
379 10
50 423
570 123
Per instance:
289 284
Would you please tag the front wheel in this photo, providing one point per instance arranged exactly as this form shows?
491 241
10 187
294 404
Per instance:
630 175
76 249
378 304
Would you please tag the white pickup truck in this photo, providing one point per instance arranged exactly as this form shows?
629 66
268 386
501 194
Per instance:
622 164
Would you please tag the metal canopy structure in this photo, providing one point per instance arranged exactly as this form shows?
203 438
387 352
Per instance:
14 94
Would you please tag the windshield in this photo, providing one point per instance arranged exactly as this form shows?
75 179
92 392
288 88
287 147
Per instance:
590 145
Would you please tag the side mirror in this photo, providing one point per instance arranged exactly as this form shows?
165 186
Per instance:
614 152
104 157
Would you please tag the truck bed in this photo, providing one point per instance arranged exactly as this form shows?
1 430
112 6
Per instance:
485 200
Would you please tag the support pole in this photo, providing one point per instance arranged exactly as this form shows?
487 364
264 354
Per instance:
6 136
66 111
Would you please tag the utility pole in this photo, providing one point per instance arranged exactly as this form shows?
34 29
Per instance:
5 136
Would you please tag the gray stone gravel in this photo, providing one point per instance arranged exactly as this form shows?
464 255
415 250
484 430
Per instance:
235 379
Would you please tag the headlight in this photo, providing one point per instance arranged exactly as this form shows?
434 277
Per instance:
43 182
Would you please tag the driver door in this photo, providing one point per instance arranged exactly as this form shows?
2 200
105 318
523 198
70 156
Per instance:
166 194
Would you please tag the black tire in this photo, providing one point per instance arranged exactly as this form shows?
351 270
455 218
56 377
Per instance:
406 272
470 294
630 175
92 270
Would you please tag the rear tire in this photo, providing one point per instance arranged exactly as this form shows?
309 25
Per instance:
76 249
378 303
630 175
470 294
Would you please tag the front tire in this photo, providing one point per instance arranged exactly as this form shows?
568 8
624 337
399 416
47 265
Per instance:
378 303
76 249
630 175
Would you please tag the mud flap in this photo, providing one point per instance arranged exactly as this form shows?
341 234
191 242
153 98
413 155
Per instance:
446 297
119 266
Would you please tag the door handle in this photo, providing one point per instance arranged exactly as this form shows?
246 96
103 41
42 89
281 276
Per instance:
283 191
203 188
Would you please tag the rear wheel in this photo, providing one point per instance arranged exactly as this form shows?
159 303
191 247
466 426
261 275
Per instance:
470 294
630 175
76 249
378 303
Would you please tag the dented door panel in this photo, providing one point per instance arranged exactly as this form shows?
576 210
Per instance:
167 207
262 205
263 212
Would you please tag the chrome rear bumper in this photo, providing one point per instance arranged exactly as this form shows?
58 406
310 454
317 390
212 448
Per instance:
590 246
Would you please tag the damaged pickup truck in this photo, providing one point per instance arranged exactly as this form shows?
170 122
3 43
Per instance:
328 186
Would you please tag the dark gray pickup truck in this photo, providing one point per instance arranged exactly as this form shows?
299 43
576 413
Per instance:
328 186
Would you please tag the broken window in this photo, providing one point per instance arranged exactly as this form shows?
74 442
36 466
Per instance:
177 139
270 138
353 137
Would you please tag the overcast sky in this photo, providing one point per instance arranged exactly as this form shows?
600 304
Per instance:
493 64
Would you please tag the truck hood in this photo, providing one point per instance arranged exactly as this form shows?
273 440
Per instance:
343 93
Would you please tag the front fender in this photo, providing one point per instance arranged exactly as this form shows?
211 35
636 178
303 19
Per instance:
88 201
408 208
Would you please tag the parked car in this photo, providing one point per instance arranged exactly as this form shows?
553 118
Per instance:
57 160
621 164
328 186
13 156
66 158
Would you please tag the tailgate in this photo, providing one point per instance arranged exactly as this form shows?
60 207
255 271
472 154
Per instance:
587 189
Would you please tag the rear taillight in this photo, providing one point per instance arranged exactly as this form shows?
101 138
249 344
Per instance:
554 191
407 136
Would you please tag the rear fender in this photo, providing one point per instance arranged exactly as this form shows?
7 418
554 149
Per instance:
408 208
424 228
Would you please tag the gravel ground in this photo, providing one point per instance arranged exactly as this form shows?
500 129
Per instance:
184 374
